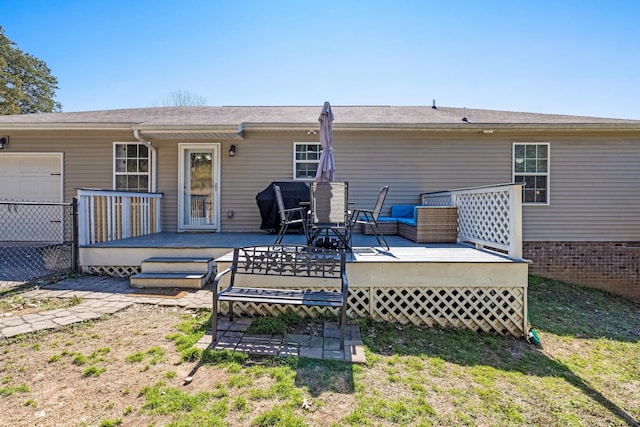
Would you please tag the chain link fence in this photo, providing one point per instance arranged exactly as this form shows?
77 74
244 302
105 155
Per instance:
37 239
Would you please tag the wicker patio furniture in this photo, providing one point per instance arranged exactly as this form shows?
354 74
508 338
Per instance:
431 224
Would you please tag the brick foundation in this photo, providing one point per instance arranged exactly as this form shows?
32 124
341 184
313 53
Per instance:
610 266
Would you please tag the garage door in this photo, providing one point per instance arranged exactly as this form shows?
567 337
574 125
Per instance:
34 178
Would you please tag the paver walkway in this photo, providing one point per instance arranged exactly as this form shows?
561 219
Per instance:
233 336
106 295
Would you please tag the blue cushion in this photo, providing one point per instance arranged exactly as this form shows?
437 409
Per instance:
402 211
407 221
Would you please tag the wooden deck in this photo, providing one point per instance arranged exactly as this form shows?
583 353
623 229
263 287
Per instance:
450 285
366 248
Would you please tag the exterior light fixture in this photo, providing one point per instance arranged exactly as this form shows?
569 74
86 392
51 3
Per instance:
4 140
232 150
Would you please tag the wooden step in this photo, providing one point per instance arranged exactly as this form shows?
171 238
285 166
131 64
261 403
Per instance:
188 280
178 264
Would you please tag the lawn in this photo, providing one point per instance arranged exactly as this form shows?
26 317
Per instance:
128 369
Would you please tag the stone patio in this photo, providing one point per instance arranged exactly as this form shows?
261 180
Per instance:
233 336
106 295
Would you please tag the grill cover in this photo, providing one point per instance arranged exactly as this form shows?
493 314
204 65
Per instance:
293 193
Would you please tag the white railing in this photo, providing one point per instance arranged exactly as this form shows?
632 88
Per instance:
105 215
489 217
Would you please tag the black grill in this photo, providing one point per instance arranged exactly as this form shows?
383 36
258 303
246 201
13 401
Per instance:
293 193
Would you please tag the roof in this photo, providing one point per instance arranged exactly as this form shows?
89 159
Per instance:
230 122
236 115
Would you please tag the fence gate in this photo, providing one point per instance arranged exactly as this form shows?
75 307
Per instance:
37 239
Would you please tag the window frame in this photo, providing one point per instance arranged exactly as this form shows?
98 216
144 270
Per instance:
297 162
117 173
546 174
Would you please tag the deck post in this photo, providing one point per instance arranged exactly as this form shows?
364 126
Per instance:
489 217
126 217
515 221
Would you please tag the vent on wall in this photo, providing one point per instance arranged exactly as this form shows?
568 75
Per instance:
4 140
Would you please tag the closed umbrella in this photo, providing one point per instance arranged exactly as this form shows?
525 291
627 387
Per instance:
326 167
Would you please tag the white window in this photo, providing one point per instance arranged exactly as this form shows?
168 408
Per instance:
531 167
305 160
131 167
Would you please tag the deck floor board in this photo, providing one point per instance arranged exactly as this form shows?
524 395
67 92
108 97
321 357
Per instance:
366 248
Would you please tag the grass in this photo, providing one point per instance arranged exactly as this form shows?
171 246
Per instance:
11 389
93 371
586 373
274 325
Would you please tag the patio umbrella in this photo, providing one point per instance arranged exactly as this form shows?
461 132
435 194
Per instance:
326 167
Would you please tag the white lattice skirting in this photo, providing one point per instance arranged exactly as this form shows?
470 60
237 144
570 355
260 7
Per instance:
123 271
499 309
496 309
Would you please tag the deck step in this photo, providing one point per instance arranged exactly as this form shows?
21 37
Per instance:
177 264
190 280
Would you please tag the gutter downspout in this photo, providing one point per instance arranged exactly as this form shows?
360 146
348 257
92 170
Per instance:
154 159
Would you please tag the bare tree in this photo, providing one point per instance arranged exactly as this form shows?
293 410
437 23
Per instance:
183 98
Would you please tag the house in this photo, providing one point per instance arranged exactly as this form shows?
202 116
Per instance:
580 204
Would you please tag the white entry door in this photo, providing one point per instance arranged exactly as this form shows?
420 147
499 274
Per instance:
198 206
31 177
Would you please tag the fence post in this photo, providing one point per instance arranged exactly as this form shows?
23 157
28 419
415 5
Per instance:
74 233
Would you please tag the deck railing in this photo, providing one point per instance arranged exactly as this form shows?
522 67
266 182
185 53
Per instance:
489 217
105 215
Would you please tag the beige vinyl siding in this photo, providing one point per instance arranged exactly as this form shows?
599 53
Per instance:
595 193
167 176
594 186
409 166
88 156
257 163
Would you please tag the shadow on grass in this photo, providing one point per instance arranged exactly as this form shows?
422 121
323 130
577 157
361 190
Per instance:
570 310
320 376
314 375
555 307
469 348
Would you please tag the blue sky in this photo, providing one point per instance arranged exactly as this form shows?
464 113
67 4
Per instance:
561 57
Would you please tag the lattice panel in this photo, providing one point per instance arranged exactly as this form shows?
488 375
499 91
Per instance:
499 310
251 309
484 216
358 306
123 271
359 302
443 200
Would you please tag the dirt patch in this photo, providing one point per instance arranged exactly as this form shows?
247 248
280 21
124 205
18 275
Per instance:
16 307
59 393
159 293
52 388
308 326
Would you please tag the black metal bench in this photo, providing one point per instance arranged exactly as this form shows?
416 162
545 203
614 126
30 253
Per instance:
291 265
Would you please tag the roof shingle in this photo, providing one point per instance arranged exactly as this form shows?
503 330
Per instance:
237 115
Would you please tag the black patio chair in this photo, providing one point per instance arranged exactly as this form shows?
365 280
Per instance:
288 216
370 217
329 221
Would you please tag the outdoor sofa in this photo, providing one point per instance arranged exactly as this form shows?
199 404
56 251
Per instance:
421 224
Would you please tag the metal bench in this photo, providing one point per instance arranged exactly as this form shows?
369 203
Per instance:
277 274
